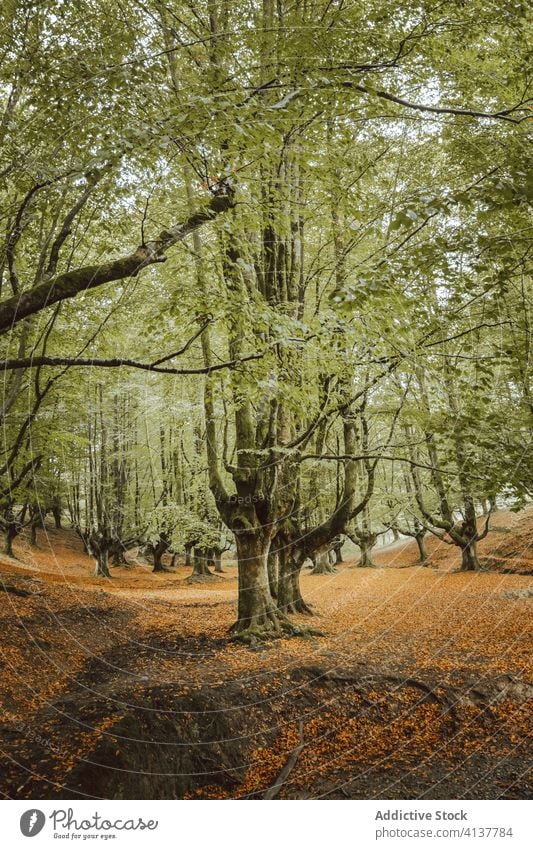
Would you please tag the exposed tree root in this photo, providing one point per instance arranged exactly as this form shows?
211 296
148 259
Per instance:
296 606
324 569
526 572
427 689
274 789
201 579
447 698
7 588
270 626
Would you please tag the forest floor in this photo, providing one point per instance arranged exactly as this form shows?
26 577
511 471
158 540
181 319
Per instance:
421 686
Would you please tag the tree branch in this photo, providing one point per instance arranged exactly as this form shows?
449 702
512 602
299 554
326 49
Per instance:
337 457
71 283
503 114
28 362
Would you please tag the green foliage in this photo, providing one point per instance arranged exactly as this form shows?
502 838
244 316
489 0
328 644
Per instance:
371 243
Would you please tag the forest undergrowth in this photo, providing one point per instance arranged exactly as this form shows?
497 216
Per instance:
131 687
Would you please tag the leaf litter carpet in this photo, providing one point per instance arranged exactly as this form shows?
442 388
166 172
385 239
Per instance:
131 688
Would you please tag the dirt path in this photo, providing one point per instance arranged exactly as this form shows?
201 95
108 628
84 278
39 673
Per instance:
131 687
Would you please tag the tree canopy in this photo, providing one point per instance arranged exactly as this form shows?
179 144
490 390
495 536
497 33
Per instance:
265 278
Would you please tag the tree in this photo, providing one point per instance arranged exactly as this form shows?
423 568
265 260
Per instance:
338 241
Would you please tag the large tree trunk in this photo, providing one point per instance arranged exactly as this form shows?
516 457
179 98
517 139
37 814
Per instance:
201 564
158 561
273 570
160 549
470 562
289 594
217 557
56 512
422 550
257 615
116 553
366 545
188 556
322 566
337 548
10 535
102 564
421 543
37 523
33 536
